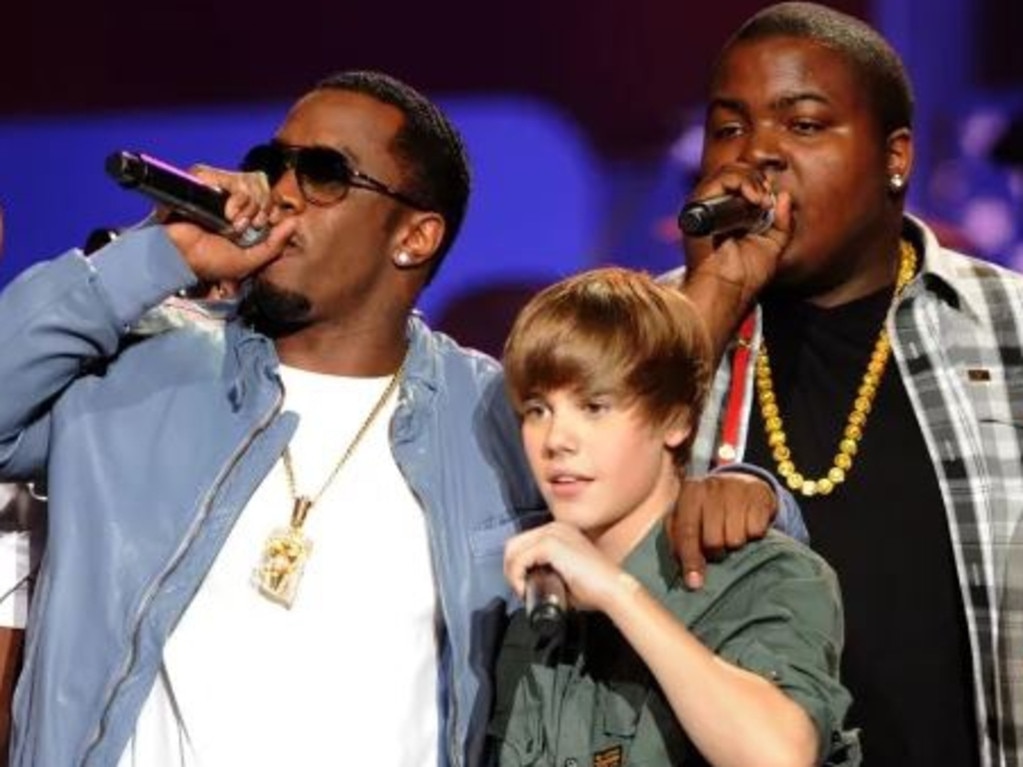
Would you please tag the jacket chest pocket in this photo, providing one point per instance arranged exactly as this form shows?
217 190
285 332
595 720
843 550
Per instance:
637 728
996 397
488 538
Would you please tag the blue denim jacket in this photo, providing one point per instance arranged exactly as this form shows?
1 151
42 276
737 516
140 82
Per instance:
151 447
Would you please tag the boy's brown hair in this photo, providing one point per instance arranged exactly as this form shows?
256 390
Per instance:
613 331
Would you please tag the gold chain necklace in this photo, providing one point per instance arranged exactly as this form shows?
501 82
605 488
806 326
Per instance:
777 440
287 549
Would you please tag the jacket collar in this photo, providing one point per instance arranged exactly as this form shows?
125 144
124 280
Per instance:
422 365
941 270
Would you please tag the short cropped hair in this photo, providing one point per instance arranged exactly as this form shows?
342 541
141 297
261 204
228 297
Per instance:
428 148
875 61
613 331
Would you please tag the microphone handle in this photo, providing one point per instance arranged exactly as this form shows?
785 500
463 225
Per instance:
724 214
546 600
184 194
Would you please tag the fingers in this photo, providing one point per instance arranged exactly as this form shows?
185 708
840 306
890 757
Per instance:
214 257
588 575
763 507
739 259
684 527
249 202
737 179
271 247
783 210
735 528
521 553
718 514
746 504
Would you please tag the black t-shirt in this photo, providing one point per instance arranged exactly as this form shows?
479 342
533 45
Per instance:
884 530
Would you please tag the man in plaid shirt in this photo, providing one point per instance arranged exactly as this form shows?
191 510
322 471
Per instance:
879 374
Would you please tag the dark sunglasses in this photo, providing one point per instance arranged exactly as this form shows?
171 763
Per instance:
324 175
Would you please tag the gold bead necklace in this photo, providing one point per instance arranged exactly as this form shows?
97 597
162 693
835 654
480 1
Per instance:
777 440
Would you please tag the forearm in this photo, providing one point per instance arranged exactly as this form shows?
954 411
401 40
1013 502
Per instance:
722 303
733 716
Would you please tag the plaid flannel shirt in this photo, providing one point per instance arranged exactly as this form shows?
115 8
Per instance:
957 337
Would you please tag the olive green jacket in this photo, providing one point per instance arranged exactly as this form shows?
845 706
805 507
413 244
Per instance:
587 699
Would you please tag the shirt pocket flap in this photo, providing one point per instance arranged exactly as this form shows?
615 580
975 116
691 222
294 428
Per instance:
622 705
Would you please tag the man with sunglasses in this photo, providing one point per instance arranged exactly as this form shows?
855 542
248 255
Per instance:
377 465
277 540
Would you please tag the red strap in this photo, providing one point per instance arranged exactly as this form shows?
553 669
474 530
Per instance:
727 450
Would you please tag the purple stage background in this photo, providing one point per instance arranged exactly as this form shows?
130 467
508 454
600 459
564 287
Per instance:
580 116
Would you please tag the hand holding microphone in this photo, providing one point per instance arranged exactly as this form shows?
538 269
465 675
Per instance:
184 194
546 600
557 568
223 245
726 267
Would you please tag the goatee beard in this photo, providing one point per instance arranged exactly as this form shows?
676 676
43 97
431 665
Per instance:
273 311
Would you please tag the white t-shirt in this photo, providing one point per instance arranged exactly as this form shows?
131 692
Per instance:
20 541
348 675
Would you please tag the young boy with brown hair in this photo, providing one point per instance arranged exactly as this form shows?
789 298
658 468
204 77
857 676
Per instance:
609 371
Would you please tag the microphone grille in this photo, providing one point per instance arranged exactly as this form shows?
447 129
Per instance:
125 168
694 220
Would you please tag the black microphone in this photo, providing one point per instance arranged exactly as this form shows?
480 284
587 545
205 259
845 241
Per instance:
183 193
728 213
546 600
